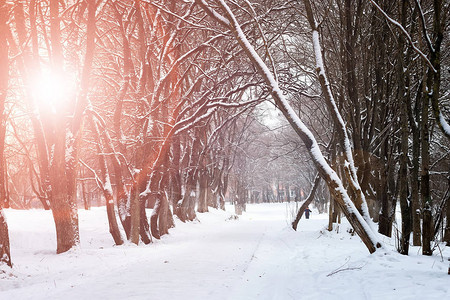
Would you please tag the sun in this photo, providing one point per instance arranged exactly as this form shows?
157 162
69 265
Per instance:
51 90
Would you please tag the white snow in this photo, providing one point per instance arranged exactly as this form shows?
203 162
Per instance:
257 256
107 185
444 124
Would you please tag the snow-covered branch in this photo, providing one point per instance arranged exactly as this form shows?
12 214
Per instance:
405 33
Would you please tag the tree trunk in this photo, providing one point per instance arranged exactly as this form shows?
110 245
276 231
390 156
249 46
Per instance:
135 214
415 184
203 185
144 229
446 238
186 210
112 221
175 178
154 216
86 203
427 223
64 208
330 214
403 172
307 202
105 182
5 255
240 197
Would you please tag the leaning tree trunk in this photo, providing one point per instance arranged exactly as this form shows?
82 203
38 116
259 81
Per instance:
308 201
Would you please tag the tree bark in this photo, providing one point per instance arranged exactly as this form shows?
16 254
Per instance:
404 141
5 254
415 183
427 222
202 206
135 208
446 238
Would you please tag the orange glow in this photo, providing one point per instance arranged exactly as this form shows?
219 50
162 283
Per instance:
51 90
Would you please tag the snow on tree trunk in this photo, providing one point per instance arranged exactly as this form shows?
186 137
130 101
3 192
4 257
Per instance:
105 182
112 221
350 168
64 208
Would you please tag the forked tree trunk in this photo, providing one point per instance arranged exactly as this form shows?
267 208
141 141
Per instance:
105 183
185 210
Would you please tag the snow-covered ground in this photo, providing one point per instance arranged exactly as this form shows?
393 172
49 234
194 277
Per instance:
257 256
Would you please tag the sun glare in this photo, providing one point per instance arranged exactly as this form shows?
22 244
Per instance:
51 90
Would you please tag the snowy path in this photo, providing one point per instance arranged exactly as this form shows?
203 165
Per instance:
255 257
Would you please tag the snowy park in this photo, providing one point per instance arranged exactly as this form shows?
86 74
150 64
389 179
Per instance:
224 149
256 256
